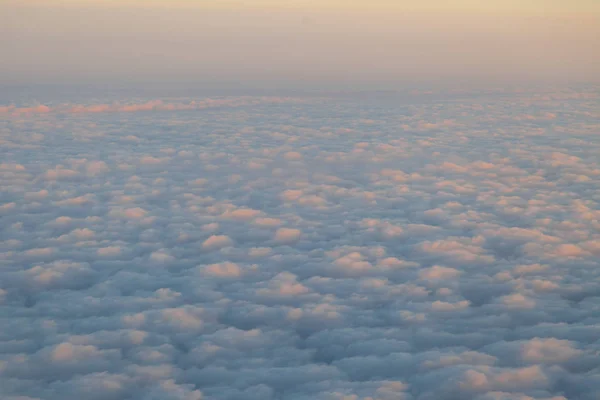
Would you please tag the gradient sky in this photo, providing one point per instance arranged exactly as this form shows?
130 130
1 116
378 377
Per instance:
379 42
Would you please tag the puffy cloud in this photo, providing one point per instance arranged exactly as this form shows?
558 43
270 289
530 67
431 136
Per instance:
150 160
60 173
549 350
134 213
152 105
285 285
39 195
161 257
458 249
241 214
432 246
41 252
353 263
293 156
223 270
96 168
287 235
259 251
267 221
302 198
67 352
437 273
109 251
187 318
216 242
445 306
61 274
517 300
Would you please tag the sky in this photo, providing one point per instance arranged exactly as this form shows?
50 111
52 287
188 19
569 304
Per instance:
297 43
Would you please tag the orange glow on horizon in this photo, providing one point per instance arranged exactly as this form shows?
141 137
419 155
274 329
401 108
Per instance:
464 6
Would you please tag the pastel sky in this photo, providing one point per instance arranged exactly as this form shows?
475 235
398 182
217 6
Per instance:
377 42
206 200
436 5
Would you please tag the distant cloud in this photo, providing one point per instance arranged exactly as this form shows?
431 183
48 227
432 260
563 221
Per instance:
152 105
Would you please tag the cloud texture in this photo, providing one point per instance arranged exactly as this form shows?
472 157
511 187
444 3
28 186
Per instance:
352 248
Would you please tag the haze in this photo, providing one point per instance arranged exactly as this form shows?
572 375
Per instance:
294 43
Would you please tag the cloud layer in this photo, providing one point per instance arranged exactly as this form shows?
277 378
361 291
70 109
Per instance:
348 248
150 105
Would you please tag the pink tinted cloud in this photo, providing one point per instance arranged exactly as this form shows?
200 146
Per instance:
40 109
153 105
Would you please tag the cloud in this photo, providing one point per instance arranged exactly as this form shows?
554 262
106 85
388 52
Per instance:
293 156
287 235
94 168
134 213
42 252
241 214
216 242
284 285
76 201
161 257
150 160
60 173
437 273
445 306
109 251
370 247
152 105
517 300
223 270
548 351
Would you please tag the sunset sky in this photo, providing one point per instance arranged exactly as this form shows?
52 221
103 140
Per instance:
379 42
434 5
299 199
